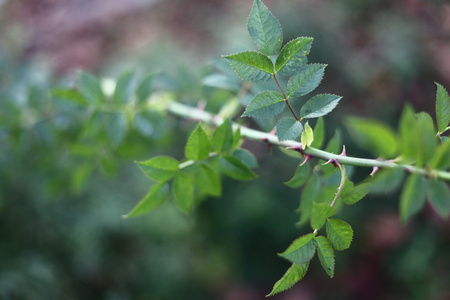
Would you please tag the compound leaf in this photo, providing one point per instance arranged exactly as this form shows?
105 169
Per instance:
251 66
160 168
293 275
326 254
293 56
305 80
442 108
198 145
183 190
320 213
301 250
340 234
265 105
264 29
289 128
235 168
319 106
413 196
155 197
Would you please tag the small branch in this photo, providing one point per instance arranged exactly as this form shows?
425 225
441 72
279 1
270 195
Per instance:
285 98
341 184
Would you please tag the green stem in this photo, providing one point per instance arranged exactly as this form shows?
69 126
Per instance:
189 112
341 184
286 98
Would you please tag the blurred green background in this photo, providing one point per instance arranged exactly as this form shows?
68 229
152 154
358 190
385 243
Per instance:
64 184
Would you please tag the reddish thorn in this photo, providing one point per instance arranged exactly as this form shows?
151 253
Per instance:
307 157
296 148
332 161
344 153
374 170
273 131
269 145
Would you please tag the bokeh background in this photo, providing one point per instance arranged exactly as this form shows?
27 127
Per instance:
62 195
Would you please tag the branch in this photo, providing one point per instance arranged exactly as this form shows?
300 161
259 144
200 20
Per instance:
189 112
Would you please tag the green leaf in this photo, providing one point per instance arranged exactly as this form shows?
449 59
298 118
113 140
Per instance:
319 134
143 122
264 29
146 87
198 145
340 234
90 88
293 56
125 88
305 80
183 190
246 157
70 95
413 196
237 138
301 250
208 180
426 139
319 106
374 136
387 180
251 66
234 168
442 108
326 254
288 128
356 194
441 159
439 195
160 168
335 144
408 135
300 176
307 136
155 197
223 139
320 213
310 193
293 275
116 127
265 105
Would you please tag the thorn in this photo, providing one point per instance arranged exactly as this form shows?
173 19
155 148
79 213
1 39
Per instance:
332 161
307 157
344 153
296 148
374 170
269 145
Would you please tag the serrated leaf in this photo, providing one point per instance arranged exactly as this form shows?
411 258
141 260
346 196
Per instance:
293 275
265 105
234 168
116 127
146 87
319 134
246 157
288 128
198 145
442 108
340 234
125 88
307 136
439 195
208 180
155 197
374 136
426 139
320 213
70 95
300 176
441 159
319 106
356 194
326 254
408 135
160 168
301 250
305 80
183 191
90 88
222 140
413 196
293 56
264 29
251 66
309 194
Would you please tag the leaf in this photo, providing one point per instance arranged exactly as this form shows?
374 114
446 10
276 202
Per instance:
221 81
234 168
441 159
125 88
246 157
160 168
387 180
237 138
374 136
305 80
293 56
413 196
335 144
70 95
340 234
426 139
143 123
198 145
208 180
223 139
288 128
183 190
300 176
146 87
319 133
320 213
251 66
326 254
116 127
90 88
309 194
264 29
356 194
301 250
442 108
408 135
155 197
307 136
319 106
439 195
265 105
293 275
